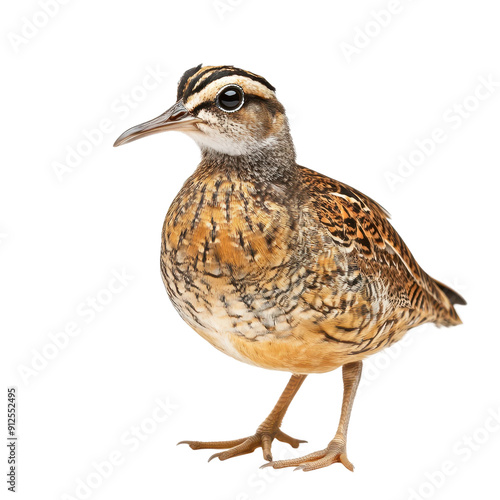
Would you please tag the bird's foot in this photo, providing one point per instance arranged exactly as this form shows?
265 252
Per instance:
333 453
262 438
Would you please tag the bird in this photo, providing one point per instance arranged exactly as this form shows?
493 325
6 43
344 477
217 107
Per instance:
277 265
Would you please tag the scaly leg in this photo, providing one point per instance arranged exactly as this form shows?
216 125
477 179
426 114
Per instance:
336 449
267 431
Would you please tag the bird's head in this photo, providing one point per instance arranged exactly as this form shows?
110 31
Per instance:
225 110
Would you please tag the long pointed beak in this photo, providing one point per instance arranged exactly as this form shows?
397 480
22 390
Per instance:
175 118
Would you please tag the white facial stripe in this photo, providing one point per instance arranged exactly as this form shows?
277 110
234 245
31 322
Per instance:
209 93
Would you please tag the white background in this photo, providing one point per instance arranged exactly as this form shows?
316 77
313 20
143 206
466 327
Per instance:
352 117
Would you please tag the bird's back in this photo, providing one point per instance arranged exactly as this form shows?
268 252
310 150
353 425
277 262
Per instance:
360 226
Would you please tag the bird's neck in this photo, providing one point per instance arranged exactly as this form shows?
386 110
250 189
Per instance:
273 162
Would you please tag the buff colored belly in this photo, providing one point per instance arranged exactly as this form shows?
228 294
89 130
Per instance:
290 354
297 348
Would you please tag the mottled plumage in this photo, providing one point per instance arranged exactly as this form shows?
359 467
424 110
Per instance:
275 264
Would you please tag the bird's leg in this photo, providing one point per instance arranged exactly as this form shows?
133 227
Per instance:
336 449
267 431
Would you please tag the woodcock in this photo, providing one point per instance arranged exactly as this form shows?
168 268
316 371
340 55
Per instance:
275 264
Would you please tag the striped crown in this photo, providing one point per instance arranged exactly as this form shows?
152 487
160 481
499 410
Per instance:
194 80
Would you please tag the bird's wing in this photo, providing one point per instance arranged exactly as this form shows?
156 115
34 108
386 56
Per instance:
359 224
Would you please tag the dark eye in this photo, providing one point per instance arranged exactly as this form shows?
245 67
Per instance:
230 98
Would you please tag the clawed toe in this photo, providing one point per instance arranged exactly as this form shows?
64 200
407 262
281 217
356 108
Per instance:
330 455
212 445
247 446
244 446
285 438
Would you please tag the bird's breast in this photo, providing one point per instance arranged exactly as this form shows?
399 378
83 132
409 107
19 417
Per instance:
231 258
224 227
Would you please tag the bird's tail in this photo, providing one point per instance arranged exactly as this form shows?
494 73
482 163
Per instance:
453 297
